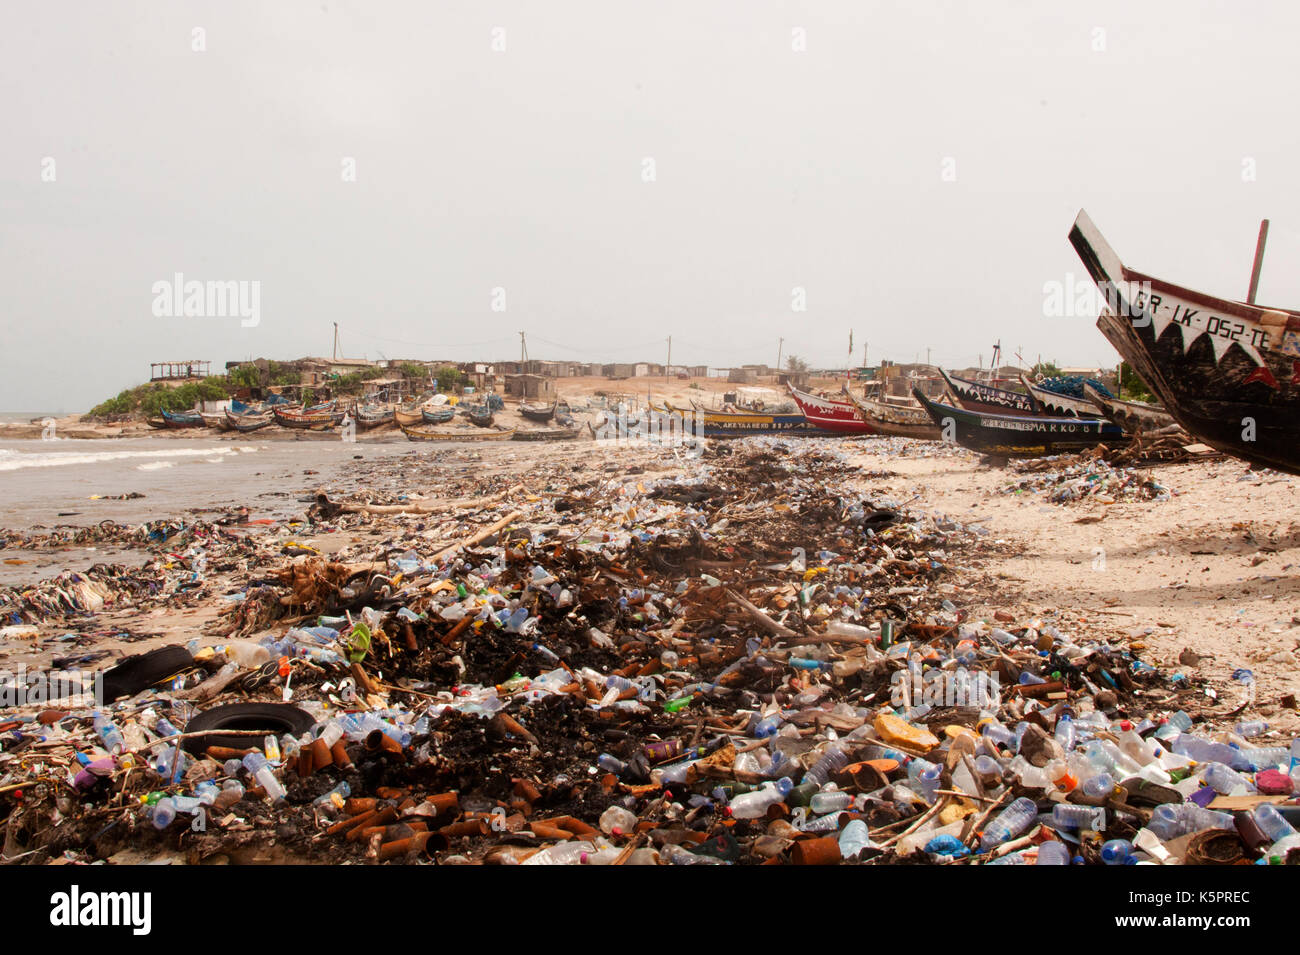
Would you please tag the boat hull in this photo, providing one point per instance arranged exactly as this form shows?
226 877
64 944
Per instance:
1130 415
841 417
897 422
428 434
975 396
1020 436
1228 372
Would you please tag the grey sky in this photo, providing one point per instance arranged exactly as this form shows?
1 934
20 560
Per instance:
522 169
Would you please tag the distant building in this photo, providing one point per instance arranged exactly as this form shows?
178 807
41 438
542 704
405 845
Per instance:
530 387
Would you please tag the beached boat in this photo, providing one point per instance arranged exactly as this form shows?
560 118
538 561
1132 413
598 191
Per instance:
480 415
184 419
1129 415
899 420
214 419
439 414
248 422
1228 372
369 417
977 396
541 413
740 424
1055 404
840 416
466 434
1019 436
547 434
159 423
318 418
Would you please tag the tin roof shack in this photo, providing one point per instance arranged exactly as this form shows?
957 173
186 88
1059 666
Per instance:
479 375
530 387
796 379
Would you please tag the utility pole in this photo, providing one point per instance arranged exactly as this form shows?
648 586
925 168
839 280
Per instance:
523 353
668 368
864 354
336 341
927 354
780 346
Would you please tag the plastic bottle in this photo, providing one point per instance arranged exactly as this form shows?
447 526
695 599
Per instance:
1118 852
562 853
1074 817
1053 853
854 838
926 776
833 759
1225 780
841 628
675 855
1012 821
260 770
108 733
832 800
1204 750
1249 728
617 821
1271 822
1171 821
754 805
245 653
162 813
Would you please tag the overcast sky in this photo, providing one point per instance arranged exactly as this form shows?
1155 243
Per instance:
914 167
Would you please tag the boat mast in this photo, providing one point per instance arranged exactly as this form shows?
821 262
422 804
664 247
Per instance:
1259 261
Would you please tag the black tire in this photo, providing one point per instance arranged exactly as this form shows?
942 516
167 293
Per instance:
277 718
145 670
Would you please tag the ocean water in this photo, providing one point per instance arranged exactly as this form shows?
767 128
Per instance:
77 481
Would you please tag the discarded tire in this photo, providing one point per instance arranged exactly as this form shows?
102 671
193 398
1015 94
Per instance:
277 718
144 670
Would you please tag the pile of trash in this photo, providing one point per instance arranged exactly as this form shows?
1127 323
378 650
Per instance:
741 658
1080 478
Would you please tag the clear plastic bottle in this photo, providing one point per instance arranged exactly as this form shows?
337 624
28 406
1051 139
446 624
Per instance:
1249 728
1117 852
1225 780
1053 853
562 853
754 805
108 733
854 838
617 821
675 855
162 813
1266 757
832 800
832 760
1204 750
1074 817
1012 821
1271 822
260 770
1171 821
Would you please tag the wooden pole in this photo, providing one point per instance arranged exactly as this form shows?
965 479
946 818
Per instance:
1259 261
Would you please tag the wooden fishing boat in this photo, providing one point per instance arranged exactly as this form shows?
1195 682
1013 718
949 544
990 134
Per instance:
369 417
740 424
312 419
541 413
185 419
977 396
466 434
1055 404
248 422
159 423
1228 372
440 414
839 416
547 434
902 421
480 415
214 419
1019 436
1129 415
